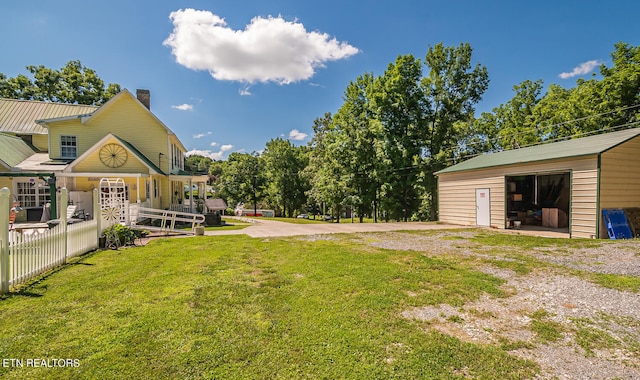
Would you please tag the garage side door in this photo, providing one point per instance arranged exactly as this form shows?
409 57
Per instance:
483 210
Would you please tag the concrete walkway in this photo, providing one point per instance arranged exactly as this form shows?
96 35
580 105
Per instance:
271 228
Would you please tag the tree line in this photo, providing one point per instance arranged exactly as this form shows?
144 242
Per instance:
73 83
378 153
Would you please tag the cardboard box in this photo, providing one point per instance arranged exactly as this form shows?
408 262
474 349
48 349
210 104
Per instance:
554 218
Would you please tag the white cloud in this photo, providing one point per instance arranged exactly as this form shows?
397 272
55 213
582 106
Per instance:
208 153
269 49
245 90
213 143
201 135
297 135
184 107
582 69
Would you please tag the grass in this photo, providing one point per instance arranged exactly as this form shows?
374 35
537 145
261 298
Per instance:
590 337
617 281
236 307
546 330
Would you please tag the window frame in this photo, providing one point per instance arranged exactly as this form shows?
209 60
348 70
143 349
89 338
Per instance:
66 145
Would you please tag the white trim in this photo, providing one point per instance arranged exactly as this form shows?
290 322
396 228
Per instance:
194 178
98 145
75 141
87 174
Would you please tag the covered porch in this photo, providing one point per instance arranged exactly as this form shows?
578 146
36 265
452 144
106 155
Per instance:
188 193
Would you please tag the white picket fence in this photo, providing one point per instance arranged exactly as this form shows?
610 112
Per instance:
24 256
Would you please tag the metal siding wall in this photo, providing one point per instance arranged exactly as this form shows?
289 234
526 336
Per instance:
457 192
620 178
457 197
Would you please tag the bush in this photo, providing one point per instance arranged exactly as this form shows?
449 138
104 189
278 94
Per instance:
126 235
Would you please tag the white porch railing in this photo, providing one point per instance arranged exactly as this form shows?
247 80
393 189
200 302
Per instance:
24 256
183 207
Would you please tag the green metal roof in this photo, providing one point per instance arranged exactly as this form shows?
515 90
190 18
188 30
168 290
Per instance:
14 150
584 146
19 116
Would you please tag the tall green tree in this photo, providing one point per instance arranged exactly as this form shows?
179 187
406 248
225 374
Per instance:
327 172
73 83
452 88
244 179
400 107
285 164
361 144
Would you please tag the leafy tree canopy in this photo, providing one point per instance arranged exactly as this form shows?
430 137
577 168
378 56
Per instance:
73 83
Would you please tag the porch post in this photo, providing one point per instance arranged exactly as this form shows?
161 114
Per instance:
64 201
97 214
5 206
151 192
138 190
191 200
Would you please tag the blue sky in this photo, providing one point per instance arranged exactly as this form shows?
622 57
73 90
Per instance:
229 76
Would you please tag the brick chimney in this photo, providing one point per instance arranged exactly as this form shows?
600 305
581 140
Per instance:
144 96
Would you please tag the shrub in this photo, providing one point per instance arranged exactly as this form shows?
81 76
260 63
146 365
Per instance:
126 235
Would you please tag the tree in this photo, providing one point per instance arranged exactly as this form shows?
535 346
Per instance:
284 164
394 131
361 144
244 178
594 105
511 125
452 89
198 163
73 83
326 171
400 107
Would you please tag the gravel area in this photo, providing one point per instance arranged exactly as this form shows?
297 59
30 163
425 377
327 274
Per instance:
599 327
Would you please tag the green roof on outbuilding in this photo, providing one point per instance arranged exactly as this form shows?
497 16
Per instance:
585 146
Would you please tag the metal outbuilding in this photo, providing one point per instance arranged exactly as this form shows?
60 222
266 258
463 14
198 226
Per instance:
563 185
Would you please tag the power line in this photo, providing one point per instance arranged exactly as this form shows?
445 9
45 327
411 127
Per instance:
539 127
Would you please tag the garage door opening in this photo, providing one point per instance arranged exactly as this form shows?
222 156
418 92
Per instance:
538 201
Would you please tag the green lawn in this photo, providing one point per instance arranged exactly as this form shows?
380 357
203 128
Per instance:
236 307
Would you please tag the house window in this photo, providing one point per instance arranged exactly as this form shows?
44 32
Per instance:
68 147
32 193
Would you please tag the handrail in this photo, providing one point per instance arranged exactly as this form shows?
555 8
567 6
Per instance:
167 218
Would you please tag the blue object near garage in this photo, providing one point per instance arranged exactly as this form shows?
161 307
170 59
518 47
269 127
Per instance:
617 225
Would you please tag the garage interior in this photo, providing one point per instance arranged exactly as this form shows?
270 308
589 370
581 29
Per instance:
538 200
